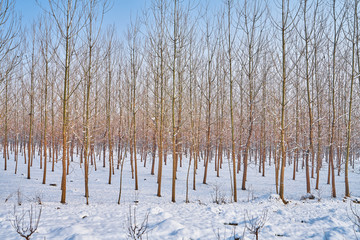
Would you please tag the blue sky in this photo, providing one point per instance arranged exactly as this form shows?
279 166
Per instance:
118 15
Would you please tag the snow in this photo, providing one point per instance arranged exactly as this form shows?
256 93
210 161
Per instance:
321 218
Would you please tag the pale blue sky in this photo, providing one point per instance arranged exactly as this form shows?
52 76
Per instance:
118 15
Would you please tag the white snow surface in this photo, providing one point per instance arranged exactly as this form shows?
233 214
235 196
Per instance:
321 218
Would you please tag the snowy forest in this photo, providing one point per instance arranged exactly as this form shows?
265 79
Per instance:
255 101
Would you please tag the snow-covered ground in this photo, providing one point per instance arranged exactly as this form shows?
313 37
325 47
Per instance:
321 218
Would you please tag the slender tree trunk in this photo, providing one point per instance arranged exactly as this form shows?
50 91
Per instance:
354 39
231 103
283 104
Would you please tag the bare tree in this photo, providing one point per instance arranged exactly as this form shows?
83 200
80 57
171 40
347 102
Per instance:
253 26
158 46
92 32
32 65
354 38
285 27
68 22
9 29
211 43
47 52
230 40
109 74
307 37
175 39
135 65
337 30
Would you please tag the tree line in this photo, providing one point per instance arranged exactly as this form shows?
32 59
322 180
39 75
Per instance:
269 83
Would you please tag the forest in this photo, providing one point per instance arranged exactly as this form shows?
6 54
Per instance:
262 96
270 83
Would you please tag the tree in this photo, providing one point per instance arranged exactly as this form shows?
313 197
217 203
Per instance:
230 40
135 65
92 32
211 45
173 100
69 21
9 29
32 63
354 38
157 62
307 38
109 71
337 29
253 27
285 28
45 45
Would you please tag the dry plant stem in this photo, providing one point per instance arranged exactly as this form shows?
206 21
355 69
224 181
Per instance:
136 231
23 227
255 224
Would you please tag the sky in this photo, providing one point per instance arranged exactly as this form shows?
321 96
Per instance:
119 14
